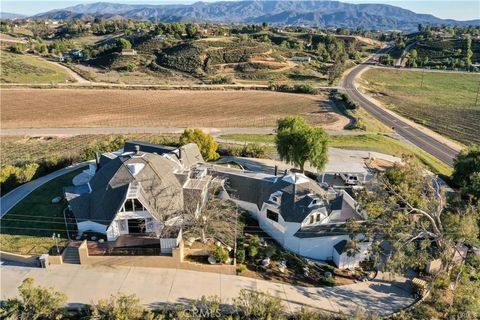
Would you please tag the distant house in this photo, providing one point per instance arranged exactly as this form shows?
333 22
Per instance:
74 54
160 37
128 52
301 59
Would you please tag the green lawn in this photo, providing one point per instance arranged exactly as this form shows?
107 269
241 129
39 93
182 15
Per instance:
444 102
369 142
28 227
21 68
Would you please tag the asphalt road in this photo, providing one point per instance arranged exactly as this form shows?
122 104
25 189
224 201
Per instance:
408 132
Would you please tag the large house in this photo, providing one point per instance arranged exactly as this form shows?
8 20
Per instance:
135 192
144 188
294 210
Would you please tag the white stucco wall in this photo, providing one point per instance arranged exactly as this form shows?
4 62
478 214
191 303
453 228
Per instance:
319 248
343 261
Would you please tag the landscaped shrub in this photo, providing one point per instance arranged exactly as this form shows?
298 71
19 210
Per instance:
240 255
250 150
252 251
222 80
241 268
253 150
257 305
120 306
220 254
270 251
329 281
205 142
13 176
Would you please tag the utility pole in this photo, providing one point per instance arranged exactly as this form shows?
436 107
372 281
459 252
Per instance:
235 239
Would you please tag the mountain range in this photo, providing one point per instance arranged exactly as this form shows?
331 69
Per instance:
278 12
9 15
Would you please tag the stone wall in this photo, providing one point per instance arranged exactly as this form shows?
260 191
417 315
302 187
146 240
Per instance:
18 257
175 261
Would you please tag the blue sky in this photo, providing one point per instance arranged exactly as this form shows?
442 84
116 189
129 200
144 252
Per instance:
447 9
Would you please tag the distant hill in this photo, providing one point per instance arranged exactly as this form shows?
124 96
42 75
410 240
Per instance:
9 15
303 12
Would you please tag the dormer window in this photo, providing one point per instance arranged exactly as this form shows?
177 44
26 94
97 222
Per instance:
315 200
276 197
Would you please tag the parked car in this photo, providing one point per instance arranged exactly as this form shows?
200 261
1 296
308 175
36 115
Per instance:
350 179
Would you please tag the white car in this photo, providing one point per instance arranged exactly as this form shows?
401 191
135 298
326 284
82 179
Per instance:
350 179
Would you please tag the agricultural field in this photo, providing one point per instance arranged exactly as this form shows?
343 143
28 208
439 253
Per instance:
37 108
443 102
19 150
19 68
140 75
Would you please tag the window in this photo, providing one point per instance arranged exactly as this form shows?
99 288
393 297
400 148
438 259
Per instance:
275 199
138 205
272 215
318 217
312 219
128 205
121 225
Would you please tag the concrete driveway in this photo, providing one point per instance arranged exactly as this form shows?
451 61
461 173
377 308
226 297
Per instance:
156 287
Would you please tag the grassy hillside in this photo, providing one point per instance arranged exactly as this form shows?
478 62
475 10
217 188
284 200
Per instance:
20 68
444 102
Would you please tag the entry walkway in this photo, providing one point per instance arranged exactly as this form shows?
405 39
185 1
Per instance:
157 287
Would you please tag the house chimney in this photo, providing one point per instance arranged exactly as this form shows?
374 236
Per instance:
137 149
180 153
97 161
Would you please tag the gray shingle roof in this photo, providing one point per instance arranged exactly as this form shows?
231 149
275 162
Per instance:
254 188
322 230
159 189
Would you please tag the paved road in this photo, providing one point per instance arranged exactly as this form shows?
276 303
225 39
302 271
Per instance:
157 286
407 131
9 200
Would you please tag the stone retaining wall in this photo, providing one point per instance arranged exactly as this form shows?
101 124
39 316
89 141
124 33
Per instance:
28 259
175 261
